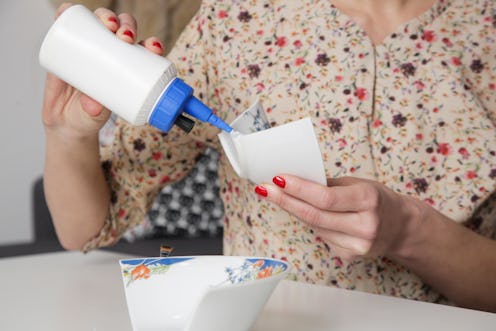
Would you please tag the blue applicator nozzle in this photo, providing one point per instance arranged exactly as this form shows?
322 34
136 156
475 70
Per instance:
199 110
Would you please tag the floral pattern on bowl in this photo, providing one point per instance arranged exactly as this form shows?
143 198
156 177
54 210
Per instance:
253 269
133 270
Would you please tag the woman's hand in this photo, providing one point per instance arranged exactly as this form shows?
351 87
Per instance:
75 187
356 217
68 112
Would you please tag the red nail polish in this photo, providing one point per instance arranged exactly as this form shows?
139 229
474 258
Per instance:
129 33
279 181
157 44
260 190
112 19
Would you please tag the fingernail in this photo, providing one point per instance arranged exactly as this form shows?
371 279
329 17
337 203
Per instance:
112 19
157 44
260 190
129 33
279 181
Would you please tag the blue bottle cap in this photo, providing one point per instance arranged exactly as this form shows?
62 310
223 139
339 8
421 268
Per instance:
170 105
178 97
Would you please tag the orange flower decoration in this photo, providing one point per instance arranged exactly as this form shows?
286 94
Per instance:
264 273
141 271
259 263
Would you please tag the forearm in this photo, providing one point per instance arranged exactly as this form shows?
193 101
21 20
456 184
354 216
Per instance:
75 188
455 261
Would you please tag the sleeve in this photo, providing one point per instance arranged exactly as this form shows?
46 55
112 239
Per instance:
142 160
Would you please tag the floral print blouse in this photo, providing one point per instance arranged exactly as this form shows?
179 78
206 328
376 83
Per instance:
416 112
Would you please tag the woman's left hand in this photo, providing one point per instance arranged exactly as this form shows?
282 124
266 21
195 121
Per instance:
356 217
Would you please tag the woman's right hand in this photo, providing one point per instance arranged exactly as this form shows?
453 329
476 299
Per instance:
69 113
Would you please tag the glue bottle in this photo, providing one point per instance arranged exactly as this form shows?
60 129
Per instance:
138 85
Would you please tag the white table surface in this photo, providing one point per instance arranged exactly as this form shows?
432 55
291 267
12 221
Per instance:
72 291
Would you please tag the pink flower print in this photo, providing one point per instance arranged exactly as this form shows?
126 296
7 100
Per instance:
297 43
222 14
470 174
419 85
361 93
429 36
429 201
281 41
299 61
464 153
447 42
455 60
338 262
444 149
377 123
157 156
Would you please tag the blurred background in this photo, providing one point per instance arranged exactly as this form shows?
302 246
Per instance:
23 24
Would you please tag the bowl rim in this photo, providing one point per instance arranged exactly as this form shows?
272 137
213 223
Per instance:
243 257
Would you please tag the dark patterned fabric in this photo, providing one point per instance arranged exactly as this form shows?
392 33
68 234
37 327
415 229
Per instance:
191 207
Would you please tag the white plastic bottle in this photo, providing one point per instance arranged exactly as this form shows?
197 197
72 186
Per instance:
136 84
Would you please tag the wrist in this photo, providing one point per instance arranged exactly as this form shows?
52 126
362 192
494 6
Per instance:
71 149
416 229
70 139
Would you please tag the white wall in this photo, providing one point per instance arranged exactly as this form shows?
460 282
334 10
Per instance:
23 24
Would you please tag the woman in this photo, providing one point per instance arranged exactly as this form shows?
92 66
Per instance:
401 94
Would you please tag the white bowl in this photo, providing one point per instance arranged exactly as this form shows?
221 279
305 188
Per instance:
199 293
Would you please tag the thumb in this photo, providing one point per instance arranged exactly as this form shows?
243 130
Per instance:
90 106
